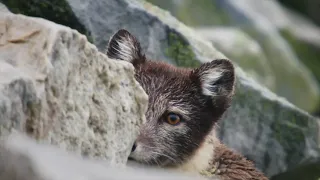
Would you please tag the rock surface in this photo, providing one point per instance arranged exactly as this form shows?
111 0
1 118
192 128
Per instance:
251 58
23 159
264 127
58 88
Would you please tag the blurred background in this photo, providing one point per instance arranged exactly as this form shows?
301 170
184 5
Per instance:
275 41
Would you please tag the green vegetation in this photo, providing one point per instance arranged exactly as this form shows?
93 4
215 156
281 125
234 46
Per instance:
57 11
180 51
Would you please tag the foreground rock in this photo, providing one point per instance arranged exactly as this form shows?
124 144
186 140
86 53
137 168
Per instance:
23 159
262 126
57 88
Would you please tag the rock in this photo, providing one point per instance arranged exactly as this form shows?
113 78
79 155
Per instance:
251 58
22 158
58 88
254 124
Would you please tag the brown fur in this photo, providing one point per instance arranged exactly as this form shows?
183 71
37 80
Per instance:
231 165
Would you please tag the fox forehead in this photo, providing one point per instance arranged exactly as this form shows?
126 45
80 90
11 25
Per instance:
169 88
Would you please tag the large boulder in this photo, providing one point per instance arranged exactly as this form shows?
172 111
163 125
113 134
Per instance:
57 87
261 125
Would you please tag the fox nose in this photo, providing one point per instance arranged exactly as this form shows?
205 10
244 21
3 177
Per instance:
134 147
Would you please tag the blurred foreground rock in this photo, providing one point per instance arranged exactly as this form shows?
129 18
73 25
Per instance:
58 88
21 158
266 128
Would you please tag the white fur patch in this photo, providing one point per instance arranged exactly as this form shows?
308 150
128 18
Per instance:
179 110
126 49
208 77
139 153
201 159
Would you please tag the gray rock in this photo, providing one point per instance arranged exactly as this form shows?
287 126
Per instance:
253 126
250 57
21 158
58 88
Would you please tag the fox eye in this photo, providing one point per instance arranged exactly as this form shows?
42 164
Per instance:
173 118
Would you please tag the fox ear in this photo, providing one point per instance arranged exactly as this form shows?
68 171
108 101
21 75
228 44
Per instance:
124 46
217 79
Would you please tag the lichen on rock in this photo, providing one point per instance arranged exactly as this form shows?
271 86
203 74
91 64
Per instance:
180 51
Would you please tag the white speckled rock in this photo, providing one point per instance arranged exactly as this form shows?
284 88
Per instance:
58 88
23 159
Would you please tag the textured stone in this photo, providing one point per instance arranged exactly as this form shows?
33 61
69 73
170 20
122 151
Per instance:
58 88
22 158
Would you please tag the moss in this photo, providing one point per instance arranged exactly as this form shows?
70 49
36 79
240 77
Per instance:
57 11
180 51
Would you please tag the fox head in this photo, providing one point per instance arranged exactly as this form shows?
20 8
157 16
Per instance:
184 103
